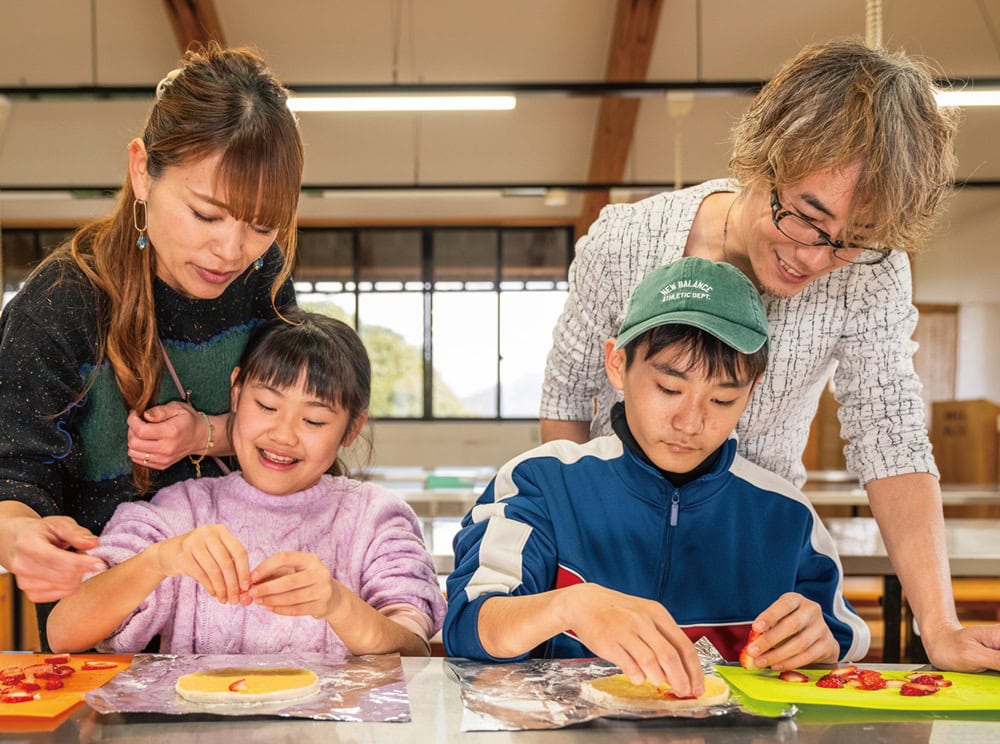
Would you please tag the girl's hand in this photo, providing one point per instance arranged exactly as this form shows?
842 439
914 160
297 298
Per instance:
39 557
294 583
793 633
165 434
212 556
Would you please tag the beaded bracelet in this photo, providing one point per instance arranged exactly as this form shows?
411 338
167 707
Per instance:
196 461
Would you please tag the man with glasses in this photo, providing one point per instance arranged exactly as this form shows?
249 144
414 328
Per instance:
840 168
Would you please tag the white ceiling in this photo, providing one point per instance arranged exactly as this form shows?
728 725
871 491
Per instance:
546 139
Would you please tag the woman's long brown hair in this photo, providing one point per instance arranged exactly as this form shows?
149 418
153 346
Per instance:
221 101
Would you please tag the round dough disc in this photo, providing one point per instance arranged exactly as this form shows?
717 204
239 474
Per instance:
261 685
617 692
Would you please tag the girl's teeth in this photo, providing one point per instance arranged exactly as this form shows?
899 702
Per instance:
277 458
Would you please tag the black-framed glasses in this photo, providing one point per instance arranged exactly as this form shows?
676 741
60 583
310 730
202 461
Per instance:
797 228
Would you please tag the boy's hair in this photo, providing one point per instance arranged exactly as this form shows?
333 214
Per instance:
702 351
842 102
328 352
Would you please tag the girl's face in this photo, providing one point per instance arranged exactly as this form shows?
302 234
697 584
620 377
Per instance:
285 438
200 248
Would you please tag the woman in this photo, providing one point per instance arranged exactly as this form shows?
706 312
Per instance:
196 254
843 162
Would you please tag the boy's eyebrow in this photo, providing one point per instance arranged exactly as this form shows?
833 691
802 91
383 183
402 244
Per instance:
668 369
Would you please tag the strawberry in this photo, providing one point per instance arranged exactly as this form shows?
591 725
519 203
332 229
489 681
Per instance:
790 675
27 686
11 679
845 672
894 683
870 680
927 679
913 689
64 670
90 666
239 685
57 659
53 684
746 660
830 681
17 697
38 670
930 675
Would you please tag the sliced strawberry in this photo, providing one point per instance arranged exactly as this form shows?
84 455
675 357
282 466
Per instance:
845 671
931 675
57 659
894 683
927 679
17 697
239 685
29 686
914 689
53 684
90 666
746 660
790 675
944 683
870 680
11 679
38 669
831 681
64 670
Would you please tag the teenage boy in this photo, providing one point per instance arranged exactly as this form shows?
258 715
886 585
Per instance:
634 544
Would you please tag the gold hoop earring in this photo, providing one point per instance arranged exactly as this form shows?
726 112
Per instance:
142 241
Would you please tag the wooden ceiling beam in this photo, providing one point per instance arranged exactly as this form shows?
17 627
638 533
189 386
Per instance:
194 22
636 23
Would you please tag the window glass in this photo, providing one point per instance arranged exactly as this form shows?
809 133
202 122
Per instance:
526 323
392 328
465 354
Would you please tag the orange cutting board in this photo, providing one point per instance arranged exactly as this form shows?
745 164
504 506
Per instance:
54 703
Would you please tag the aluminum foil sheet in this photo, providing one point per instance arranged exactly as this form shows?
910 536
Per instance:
352 688
545 694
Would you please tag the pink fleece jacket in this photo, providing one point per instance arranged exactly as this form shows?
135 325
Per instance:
367 536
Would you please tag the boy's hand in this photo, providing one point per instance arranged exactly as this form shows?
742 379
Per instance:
794 633
294 583
638 635
212 556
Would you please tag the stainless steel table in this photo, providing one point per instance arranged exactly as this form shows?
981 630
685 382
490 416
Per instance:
437 712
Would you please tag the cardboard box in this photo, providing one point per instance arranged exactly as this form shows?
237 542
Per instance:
966 442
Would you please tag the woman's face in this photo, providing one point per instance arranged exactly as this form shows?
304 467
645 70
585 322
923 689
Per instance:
200 248
782 266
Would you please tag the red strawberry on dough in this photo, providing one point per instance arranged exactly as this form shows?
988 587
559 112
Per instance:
746 660
239 685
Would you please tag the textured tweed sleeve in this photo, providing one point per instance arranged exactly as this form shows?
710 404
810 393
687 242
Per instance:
882 414
574 370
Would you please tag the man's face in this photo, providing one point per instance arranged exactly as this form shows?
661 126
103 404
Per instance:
677 415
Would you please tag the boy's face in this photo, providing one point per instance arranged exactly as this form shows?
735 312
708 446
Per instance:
677 415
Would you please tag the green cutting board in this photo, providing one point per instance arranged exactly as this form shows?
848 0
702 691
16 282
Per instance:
967 692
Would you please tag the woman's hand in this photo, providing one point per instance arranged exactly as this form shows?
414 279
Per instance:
37 554
793 633
294 583
210 555
165 434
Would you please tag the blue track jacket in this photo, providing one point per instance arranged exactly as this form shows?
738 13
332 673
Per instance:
715 552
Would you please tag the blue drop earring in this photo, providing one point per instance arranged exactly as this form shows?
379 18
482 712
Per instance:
142 241
258 264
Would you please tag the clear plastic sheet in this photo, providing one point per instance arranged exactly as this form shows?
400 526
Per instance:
545 694
352 688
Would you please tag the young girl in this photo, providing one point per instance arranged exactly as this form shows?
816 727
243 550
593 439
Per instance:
286 554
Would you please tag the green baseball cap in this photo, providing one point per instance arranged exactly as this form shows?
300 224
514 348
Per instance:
718 298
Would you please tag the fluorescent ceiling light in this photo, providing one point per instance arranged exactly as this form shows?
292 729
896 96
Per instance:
967 97
403 103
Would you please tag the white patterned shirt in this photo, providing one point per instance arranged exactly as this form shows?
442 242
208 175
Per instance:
855 322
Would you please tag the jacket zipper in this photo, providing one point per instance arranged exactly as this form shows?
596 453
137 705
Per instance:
675 507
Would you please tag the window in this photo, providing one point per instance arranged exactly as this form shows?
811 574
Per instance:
458 321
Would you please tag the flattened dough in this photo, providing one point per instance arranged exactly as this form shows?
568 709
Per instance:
618 693
262 685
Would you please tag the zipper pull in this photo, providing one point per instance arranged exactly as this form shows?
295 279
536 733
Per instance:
675 507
